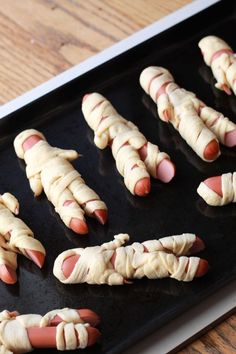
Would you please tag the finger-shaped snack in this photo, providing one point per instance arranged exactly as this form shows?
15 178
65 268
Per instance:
15 237
199 125
220 57
219 190
48 168
135 157
113 263
23 333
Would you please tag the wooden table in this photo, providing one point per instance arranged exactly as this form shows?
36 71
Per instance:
41 38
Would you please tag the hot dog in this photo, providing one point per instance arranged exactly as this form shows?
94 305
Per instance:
220 57
87 315
16 237
63 329
165 170
129 147
111 271
219 190
70 262
46 337
199 125
77 224
8 274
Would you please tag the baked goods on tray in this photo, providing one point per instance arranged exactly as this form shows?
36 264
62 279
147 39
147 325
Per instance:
219 190
202 127
64 329
48 168
15 237
220 57
113 263
136 158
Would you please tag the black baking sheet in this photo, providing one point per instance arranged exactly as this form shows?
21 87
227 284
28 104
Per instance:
128 312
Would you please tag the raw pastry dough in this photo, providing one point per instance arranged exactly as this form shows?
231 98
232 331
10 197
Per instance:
48 168
196 123
220 57
14 337
153 259
109 126
15 235
228 185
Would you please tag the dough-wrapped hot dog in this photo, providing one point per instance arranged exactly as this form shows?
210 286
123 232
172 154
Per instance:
219 190
220 57
23 333
48 168
199 125
136 158
15 237
114 264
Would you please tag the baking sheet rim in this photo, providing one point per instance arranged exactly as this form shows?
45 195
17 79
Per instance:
137 38
211 309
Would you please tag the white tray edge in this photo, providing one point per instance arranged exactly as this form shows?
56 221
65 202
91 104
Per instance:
190 325
107 54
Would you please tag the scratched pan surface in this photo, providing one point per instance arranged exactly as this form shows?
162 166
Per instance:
129 312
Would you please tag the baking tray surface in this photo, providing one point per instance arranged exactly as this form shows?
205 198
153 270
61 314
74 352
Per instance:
129 312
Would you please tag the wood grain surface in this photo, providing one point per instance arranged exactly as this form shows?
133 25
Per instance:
41 38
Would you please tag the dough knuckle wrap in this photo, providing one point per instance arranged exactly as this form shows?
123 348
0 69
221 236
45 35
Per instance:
49 168
67 334
220 57
71 333
109 126
228 185
66 314
21 236
154 158
215 121
153 259
182 107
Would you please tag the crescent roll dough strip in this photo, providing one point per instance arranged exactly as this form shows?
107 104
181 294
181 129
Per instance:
15 235
125 140
196 123
14 337
220 57
228 186
153 259
48 168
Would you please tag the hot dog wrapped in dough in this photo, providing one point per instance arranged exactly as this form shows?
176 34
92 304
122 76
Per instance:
15 237
48 168
136 158
219 190
199 125
220 57
113 263
64 329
